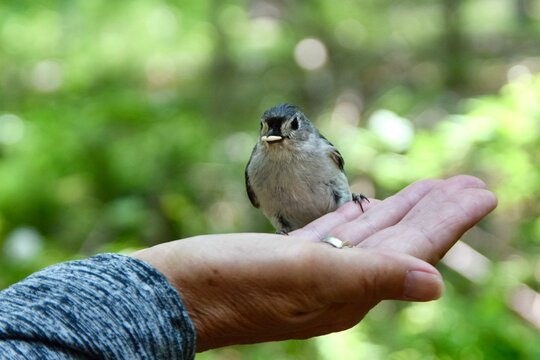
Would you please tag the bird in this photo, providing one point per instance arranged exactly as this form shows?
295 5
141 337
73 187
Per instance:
294 174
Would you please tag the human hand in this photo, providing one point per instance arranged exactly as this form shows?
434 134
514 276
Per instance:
248 288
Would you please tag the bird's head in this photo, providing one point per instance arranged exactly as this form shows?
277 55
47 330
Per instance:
284 123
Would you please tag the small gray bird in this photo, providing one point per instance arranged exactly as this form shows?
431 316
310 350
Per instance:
295 175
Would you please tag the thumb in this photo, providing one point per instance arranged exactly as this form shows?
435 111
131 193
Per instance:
368 275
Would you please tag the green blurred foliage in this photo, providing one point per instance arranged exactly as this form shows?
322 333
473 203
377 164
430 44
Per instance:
125 124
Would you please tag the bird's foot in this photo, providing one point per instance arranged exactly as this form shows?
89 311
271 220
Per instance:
358 198
282 232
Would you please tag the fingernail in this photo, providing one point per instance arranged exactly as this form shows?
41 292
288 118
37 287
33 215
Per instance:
422 286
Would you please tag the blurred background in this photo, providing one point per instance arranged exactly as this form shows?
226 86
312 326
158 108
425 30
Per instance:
128 123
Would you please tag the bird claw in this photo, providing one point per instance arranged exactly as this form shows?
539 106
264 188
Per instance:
358 198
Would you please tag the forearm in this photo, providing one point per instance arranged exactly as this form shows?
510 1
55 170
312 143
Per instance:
108 306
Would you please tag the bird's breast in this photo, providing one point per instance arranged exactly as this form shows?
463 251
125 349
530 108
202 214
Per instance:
299 188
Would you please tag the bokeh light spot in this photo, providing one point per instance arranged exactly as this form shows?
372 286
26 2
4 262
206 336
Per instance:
468 262
264 32
46 76
162 22
310 54
350 34
23 244
11 129
396 132
518 72
346 112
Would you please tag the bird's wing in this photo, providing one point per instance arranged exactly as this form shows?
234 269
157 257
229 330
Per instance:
249 189
334 154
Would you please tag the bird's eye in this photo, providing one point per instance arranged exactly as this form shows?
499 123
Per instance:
294 124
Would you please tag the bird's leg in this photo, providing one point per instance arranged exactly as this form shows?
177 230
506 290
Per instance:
284 226
358 198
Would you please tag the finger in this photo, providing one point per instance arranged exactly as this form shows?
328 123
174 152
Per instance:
363 276
446 190
385 214
396 207
318 229
463 181
437 222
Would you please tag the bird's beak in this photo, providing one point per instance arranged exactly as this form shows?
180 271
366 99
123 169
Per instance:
272 136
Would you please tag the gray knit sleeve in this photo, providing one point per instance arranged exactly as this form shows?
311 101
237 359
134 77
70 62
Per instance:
107 307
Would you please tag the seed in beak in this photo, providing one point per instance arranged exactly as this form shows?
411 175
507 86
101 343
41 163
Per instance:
271 138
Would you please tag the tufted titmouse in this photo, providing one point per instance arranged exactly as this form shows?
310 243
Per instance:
295 175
